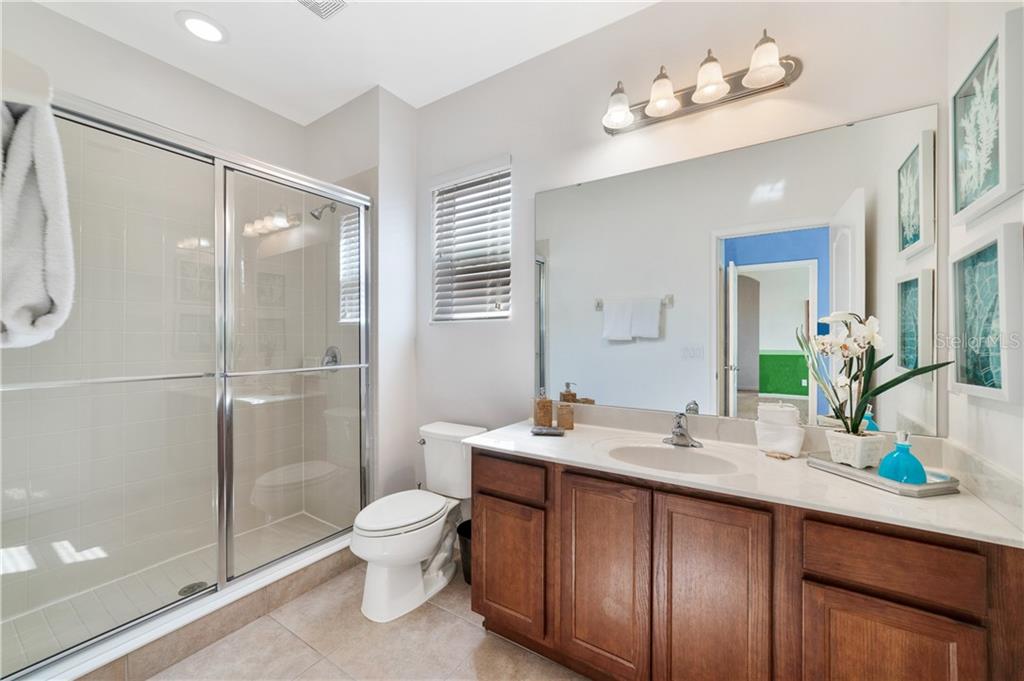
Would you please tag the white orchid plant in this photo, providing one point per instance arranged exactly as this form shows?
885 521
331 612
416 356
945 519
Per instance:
855 342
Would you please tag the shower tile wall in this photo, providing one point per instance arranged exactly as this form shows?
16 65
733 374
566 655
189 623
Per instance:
103 481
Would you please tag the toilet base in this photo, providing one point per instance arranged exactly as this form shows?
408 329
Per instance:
390 592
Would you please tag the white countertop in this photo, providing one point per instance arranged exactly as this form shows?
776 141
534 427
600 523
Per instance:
756 476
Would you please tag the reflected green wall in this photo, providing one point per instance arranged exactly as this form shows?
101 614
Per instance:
783 372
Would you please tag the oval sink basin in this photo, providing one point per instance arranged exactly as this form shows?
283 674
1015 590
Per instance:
675 459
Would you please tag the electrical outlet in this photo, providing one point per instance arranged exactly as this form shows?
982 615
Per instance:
803 382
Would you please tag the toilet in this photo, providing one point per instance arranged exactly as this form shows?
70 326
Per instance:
408 538
279 492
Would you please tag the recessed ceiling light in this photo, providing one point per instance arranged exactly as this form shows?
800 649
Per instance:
202 26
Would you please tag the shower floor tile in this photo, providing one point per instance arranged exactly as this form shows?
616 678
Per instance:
36 635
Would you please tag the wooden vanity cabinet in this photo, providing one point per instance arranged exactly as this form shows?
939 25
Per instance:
712 591
511 539
627 580
508 564
606 575
852 637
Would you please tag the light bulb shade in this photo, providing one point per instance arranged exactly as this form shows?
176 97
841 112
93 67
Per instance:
711 85
764 64
618 115
663 98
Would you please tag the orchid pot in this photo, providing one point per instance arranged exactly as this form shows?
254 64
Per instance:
859 451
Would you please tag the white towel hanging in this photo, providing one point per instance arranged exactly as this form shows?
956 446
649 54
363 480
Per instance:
646 320
38 253
618 319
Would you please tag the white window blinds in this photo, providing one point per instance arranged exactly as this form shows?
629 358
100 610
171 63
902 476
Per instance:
473 248
348 267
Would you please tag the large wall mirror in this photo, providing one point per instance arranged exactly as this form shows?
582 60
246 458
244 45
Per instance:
689 281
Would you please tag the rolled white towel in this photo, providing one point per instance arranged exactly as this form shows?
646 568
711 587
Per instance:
38 253
779 441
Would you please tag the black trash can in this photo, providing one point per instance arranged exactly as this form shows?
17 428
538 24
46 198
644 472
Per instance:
465 531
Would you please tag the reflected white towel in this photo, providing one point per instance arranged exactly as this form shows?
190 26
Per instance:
618 317
38 254
646 321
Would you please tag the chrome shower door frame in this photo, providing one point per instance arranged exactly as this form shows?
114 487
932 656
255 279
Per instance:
226 259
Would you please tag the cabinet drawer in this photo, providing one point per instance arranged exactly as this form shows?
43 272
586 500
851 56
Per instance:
511 479
931 574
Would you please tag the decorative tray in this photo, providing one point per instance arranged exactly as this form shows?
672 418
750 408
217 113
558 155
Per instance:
937 484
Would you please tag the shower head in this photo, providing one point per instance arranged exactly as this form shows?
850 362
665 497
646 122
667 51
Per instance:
318 213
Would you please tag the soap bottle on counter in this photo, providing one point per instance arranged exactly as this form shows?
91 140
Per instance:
567 395
542 410
566 416
902 466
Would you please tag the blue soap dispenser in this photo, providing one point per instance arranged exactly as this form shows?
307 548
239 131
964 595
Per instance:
901 465
869 421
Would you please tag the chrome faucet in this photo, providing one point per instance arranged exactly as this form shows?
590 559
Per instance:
681 435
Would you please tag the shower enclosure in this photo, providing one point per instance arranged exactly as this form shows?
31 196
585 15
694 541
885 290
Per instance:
202 412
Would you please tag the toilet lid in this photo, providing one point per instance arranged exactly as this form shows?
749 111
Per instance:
400 510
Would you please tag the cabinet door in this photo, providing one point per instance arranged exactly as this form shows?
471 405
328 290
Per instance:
712 591
606 575
851 637
508 564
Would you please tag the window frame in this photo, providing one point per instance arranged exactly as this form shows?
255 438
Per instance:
449 180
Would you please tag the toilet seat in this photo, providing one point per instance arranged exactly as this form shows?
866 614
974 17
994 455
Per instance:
400 513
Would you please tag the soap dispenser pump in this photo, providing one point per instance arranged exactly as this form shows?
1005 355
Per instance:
901 465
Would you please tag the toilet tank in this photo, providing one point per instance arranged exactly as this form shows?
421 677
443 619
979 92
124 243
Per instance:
446 460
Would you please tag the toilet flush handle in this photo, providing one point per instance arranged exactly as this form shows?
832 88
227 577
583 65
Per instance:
421 442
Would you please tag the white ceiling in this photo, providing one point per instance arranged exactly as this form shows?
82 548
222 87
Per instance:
283 57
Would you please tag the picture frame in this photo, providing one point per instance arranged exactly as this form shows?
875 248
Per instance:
915 191
985 278
915 337
983 172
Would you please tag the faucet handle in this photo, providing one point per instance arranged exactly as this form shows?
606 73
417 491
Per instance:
692 407
680 423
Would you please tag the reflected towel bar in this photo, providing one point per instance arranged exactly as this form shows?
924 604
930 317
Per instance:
667 301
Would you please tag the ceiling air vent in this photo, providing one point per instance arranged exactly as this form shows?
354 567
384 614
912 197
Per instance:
324 9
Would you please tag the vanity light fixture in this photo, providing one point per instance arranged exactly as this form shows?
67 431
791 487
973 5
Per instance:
618 114
764 64
767 71
663 100
201 26
711 86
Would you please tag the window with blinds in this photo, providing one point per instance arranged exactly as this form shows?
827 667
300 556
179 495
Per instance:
473 248
348 268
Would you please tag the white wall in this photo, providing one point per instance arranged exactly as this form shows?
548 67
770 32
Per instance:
399 457
86 63
546 113
783 293
990 429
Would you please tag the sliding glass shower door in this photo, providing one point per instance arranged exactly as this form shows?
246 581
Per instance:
294 360
109 433
201 412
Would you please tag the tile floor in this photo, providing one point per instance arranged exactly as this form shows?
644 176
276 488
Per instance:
38 634
323 636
